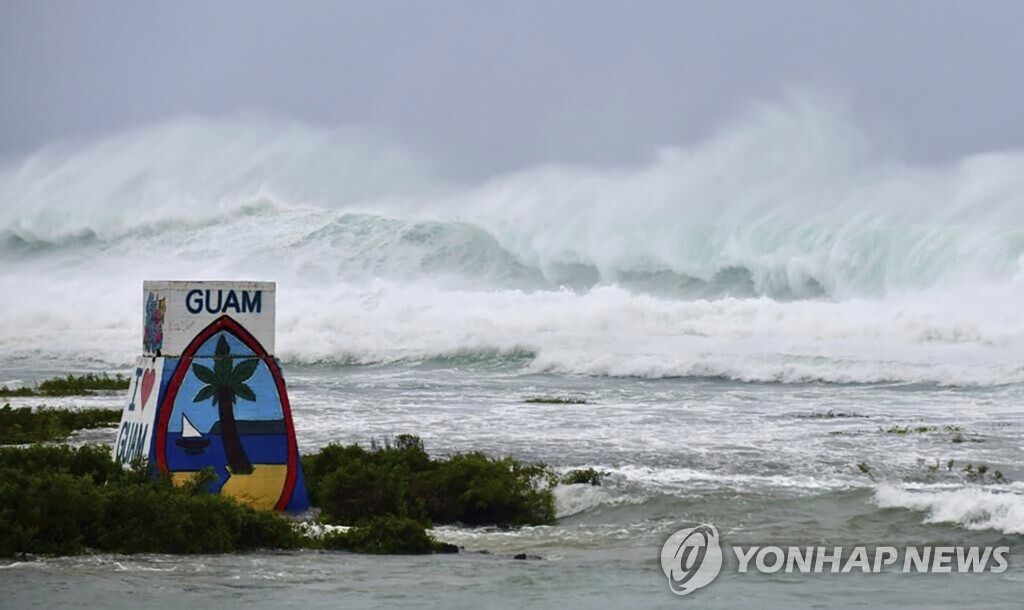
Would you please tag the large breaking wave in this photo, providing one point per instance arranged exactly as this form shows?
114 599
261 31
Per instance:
788 246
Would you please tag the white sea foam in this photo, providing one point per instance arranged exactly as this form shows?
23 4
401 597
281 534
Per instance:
688 265
604 331
972 508
676 480
582 497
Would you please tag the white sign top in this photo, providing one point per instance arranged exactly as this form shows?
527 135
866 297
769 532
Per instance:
175 312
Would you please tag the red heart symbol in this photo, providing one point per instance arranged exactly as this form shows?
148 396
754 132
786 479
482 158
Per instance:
148 379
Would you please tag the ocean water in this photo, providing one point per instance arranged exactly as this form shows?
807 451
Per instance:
746 320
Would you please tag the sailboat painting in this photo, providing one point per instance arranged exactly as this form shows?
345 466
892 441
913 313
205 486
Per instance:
191 440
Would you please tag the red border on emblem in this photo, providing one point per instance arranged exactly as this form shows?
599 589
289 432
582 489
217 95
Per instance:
226 323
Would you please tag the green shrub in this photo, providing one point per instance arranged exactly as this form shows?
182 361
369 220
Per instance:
92 461
82 384
160 518
473 489
352 485
71 385
27 425
387 535
584 475
62 500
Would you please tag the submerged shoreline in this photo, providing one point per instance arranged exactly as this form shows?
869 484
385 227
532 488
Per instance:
67 500
765 463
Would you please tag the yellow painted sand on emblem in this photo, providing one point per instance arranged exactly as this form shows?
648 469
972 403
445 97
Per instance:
183 477
260 490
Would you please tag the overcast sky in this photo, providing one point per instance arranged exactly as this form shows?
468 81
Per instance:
489 86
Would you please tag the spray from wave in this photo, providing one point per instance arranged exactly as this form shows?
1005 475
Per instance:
971 508
786 247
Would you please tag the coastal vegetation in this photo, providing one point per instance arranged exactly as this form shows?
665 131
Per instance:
60 500
980 473
388 535
352 485
905 430
66 500
588 476
27 425
956 433
555 400
832 414
70 385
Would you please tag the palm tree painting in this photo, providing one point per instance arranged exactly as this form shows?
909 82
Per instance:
225 384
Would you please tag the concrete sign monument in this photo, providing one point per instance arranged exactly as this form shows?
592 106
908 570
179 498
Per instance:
208 392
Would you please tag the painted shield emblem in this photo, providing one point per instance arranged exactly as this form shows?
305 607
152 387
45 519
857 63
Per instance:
226 408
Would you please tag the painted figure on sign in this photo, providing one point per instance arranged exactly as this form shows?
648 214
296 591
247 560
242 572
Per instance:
153 335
